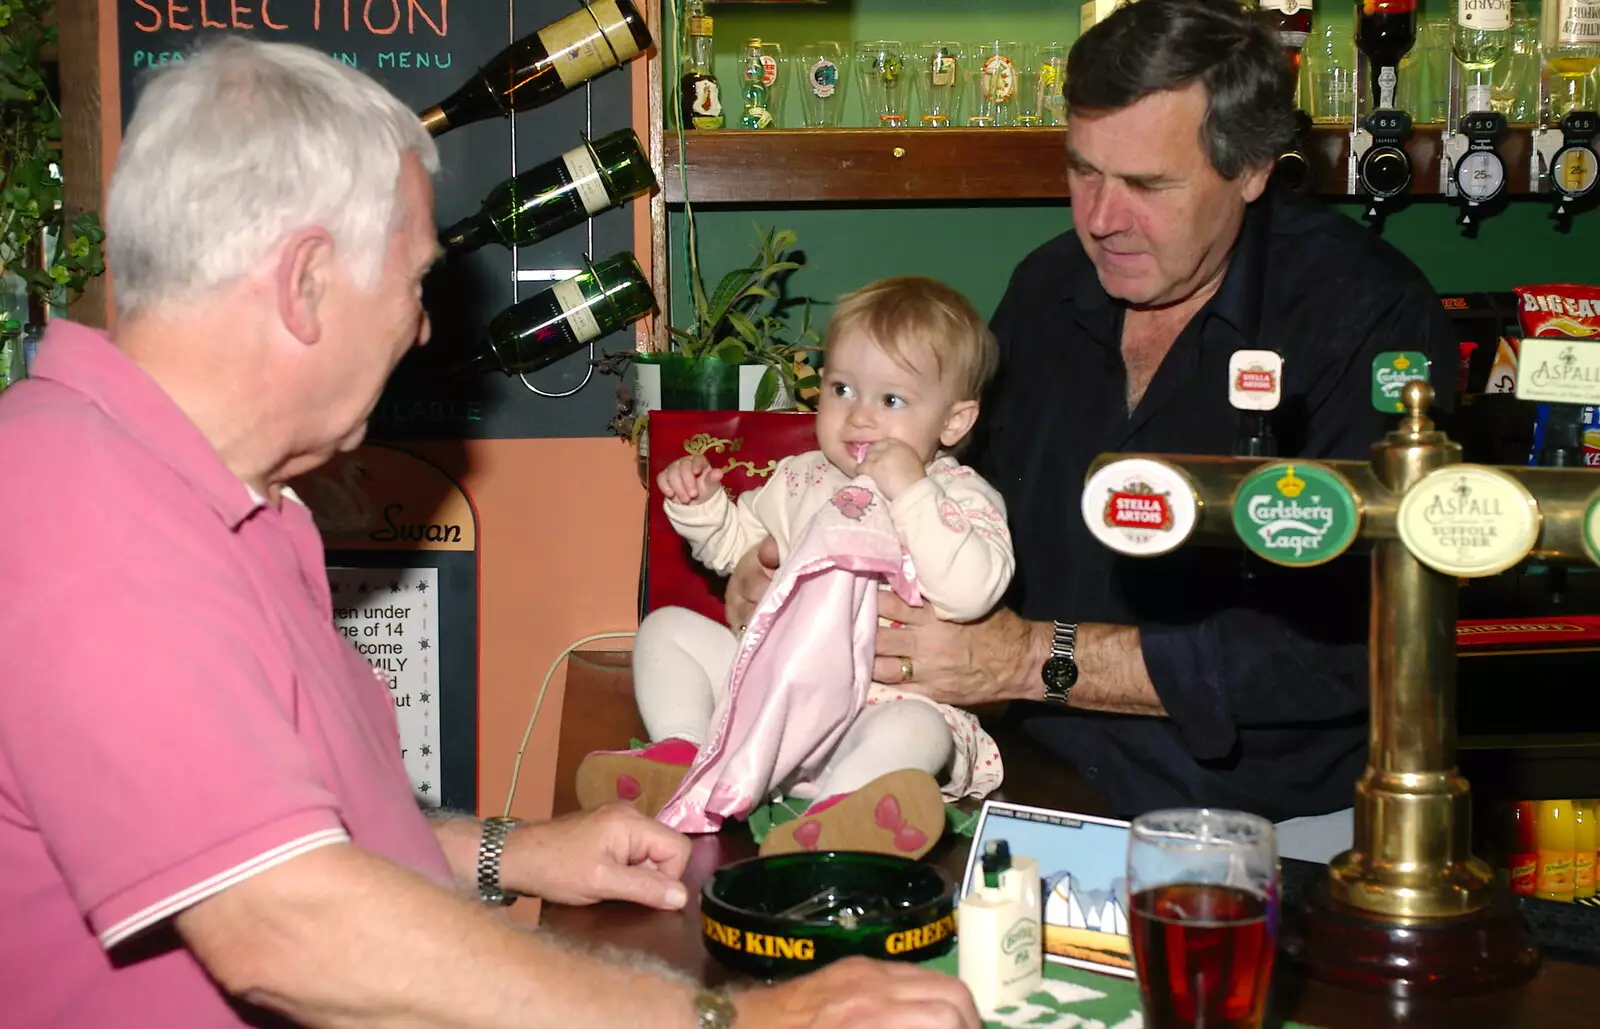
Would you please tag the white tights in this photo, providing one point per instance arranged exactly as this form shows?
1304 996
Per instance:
681 661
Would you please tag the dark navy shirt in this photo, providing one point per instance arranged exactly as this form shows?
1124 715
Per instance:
1264 677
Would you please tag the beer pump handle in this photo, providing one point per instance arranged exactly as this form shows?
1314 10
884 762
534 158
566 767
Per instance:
1255 386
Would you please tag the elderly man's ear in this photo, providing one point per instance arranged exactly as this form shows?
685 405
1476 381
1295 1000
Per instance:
305 269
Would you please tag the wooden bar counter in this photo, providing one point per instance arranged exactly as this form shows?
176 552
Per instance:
599 714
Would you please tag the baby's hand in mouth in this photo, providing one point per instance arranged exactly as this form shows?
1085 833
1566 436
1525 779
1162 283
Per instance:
858 451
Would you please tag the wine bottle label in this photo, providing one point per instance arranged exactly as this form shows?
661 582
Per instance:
586 179
701 26
584 44
575 309
1478 97
1490 15
1286 6
1580 21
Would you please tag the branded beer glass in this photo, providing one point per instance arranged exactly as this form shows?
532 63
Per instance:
1203 918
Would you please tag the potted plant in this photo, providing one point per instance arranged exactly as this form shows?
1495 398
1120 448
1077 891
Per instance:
737 343
737 353
37 276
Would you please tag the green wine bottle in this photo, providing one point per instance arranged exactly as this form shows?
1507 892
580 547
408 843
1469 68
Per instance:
556 195
564 318
546 65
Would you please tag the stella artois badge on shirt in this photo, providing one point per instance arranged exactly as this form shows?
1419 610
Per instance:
1255 380
1391 370
1468 520
1296 513
1141 507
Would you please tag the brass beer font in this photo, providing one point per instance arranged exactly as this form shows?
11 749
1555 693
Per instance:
1411 858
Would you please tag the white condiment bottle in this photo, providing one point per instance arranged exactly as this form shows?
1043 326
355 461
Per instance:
998 946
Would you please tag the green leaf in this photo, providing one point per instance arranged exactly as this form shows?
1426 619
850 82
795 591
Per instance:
743 327
783 240
810 382
767 390
729 351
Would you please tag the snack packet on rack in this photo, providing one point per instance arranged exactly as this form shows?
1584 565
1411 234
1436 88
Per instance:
1559 310
1573 312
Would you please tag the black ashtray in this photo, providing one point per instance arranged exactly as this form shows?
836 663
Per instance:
791 913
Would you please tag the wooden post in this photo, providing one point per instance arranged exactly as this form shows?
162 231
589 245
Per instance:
90 101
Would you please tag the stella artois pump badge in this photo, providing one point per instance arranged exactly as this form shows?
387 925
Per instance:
1140 507
1255 380
1296 513
1468 520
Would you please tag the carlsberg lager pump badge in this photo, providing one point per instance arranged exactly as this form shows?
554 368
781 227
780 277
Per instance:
1296 513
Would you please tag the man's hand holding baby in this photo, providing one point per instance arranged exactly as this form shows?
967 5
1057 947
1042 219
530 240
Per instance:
893 465
690 480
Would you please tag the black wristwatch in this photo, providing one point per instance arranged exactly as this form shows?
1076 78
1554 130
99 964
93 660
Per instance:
1060 672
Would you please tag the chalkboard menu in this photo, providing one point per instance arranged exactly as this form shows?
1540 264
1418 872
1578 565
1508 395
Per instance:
421 50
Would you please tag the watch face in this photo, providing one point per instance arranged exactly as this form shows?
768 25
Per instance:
1060 674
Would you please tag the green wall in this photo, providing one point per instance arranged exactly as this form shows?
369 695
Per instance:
975 247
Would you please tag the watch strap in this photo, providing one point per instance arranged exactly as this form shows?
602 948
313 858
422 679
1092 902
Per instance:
1064 641
491 847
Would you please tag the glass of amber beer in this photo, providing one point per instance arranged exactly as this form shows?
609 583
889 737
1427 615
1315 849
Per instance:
1203 917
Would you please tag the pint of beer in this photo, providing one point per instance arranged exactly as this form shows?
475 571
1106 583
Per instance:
1204 885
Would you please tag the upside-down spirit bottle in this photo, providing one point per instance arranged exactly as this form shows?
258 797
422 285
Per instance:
548 64
1385 32
1478 37
699 95
564 318
1291 20
556 195
1569 35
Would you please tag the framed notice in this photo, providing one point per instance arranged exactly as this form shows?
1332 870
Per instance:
401 539
1083 862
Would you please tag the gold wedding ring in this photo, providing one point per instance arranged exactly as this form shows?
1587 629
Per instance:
905 669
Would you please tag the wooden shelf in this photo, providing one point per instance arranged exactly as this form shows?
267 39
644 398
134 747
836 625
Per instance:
734 166
811 165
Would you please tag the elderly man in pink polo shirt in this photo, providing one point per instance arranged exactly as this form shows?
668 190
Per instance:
204 820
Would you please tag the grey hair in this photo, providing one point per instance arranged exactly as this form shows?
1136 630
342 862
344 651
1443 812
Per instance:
241 144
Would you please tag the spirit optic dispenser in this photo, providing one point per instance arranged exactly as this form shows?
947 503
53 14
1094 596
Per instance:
1408 909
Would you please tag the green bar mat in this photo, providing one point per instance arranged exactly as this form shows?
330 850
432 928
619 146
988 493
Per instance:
1072 998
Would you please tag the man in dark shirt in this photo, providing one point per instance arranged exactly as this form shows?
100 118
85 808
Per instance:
1201 678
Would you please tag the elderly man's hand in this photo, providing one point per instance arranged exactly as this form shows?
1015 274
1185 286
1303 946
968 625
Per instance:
610 853
749 582
993 659
859 992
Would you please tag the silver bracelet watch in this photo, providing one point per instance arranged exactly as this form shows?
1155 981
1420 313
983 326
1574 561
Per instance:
491 846
1060 672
